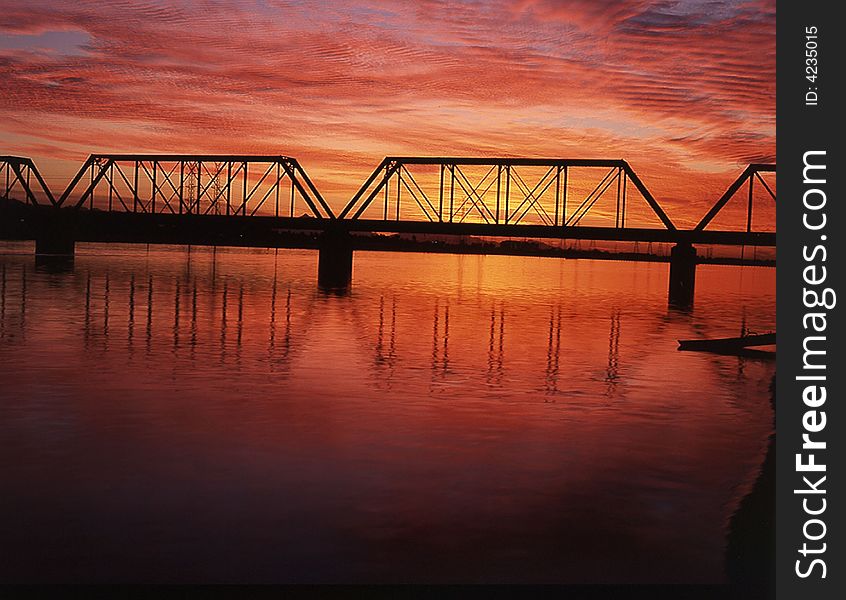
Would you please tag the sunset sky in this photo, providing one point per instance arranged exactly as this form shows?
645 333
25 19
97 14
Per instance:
684 90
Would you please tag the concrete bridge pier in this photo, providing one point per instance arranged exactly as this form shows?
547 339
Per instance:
682 274
54 239
334 263
55 245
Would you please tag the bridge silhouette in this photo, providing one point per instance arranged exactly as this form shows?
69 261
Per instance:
269 200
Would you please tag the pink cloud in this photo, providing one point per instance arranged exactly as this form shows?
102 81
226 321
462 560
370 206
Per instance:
669 85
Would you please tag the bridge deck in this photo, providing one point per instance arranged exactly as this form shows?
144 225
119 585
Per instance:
614 234
104 226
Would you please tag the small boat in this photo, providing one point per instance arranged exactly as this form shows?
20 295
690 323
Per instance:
731 345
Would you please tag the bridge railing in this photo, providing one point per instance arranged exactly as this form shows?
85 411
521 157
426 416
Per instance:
245 185
509 191
752 173
20 180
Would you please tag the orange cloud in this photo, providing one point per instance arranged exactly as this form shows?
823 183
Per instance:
683 89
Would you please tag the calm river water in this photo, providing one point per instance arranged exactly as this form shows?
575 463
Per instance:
213 416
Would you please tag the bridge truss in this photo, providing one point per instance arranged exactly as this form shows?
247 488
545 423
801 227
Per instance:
750 174
523 197
19 174
503 191
244 185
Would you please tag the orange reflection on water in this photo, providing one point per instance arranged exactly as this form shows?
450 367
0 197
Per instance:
452 418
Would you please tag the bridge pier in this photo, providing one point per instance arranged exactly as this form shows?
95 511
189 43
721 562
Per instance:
54 238
334 263
52 245
682 274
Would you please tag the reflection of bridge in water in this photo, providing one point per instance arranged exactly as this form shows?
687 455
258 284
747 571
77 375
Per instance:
270 201
196 315
193 316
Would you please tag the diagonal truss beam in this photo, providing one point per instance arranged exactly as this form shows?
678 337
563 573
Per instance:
172 175
647 195
184 183
458 196
749 174
18 171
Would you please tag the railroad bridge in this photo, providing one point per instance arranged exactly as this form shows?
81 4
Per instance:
269 200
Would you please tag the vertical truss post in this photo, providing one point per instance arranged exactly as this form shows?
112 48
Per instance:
749 209
441 196
91 185
386 184
181 185
451 191
617 219
293 190
135 189
228 188
507 190
154 187
278 177
244 205
399 189
623 215
498 190
110 178
199 186
557 192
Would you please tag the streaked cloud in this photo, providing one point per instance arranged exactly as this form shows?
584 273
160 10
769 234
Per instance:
669 85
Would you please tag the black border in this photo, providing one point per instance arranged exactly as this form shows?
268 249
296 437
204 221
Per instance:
801 128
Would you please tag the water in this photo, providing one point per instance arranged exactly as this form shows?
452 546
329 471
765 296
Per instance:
175 416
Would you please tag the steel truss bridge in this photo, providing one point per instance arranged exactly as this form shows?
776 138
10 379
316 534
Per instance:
458 197
195 185
250 199
19 175
566 199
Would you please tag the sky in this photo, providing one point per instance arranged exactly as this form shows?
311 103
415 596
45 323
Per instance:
684 90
